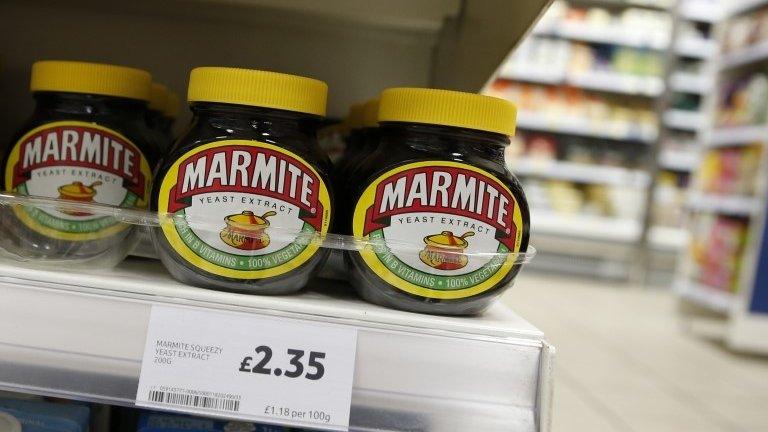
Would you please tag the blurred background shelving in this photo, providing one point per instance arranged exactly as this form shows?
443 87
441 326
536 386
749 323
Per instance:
615 89
721 277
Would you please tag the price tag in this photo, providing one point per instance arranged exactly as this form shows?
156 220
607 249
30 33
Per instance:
261 369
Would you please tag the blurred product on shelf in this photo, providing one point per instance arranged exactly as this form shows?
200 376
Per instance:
537 147
669 201
743 101
547 59
635 26
729 171
569 198
39 416
564 105
746 30
716 248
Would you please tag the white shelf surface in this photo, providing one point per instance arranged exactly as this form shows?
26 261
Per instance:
608 34
705 296
624 131
678 160
687 82
733 205
585 226
696 47
682 119
751 54
668 238
701 11
617 82
81 335
604 81
579 172
737 135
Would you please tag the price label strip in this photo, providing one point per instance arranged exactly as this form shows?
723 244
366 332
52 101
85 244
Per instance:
261 369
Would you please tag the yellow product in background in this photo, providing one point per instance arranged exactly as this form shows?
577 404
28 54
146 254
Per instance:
564 197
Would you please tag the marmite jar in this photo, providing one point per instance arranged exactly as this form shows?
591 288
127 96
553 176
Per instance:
243 197
85 143
442 223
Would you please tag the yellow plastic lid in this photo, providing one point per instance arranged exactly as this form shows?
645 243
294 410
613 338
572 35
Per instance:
158 97
448 108
90 78
355 116
258 88
172 106
371 113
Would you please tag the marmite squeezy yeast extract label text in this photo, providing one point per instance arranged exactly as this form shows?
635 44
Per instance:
76 161
243 209
467 223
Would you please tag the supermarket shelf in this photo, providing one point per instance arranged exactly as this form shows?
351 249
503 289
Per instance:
733 205
678 160
686 82
81 336
741 6
685 120
585 226
699 48
752 54
539 75
737 135
701 11
604 81
580 173
609 34
668 238
711 298
624 131
617 83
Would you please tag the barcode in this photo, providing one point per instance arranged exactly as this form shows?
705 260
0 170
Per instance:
194 400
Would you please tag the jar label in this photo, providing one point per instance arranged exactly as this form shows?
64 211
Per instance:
77 161
244 209
438 229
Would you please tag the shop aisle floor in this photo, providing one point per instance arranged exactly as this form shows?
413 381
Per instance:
626 361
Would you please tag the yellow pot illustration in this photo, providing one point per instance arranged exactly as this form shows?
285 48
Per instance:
445 251
246 231
77 191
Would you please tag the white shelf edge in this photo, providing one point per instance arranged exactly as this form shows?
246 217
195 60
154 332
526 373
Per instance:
678 160
686 82
701 11
602 81
579 172
588 227
668 238
733 205
711 298
82 336
696 47
737 135
684 120
584 127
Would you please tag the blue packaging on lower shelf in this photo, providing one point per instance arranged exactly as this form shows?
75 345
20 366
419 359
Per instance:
39 416
163 422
